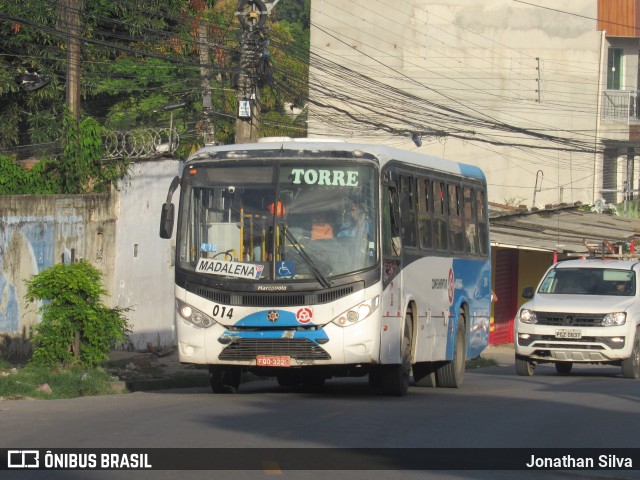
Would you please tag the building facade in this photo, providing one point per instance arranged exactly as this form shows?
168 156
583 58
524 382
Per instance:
542 97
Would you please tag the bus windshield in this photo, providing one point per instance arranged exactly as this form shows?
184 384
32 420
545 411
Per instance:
285 221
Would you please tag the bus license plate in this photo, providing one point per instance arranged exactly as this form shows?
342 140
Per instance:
273 361
568 333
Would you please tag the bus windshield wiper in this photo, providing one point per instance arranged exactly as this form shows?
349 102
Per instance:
306 258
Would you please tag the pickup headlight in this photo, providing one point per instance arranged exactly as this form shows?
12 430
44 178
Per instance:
528 316
194 315
614 319
357 313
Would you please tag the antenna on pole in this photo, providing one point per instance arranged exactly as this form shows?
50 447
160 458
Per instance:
538 187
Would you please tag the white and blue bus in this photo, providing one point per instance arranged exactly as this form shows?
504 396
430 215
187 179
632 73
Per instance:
307 260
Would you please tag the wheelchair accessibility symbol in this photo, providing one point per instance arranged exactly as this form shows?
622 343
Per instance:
285 269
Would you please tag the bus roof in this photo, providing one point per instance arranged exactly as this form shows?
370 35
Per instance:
384 154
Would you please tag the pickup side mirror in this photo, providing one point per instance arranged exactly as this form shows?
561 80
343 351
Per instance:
166 220
527 292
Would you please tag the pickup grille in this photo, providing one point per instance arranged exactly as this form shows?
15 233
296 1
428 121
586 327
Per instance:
570 319
297 348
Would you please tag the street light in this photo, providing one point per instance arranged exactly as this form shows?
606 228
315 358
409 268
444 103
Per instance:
32 81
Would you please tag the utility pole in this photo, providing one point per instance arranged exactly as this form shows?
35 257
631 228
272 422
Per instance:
252 15
70 16
207 131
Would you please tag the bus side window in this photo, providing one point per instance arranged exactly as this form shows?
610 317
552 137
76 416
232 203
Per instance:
470 223
425 229
481 214
440 230
391 246
455 218
407 211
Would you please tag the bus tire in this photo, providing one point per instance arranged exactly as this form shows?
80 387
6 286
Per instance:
224 379
395 378
424 374
451 374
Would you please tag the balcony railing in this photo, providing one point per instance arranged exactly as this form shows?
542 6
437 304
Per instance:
621 106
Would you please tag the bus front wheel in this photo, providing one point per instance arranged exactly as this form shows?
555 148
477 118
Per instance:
395 378
224 379
451 374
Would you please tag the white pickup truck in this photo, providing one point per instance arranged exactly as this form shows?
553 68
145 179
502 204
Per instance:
584 311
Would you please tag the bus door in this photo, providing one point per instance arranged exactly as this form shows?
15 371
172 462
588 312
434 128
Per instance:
391 257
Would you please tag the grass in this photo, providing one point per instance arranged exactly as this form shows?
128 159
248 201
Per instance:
69 382
480 363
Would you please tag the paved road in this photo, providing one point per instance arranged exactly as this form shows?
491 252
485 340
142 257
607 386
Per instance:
594 407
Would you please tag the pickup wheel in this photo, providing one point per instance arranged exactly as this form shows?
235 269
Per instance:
524 366
564 368
631 365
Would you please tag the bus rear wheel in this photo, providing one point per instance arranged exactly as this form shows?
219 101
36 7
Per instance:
451 374
424 374
395 378
224 379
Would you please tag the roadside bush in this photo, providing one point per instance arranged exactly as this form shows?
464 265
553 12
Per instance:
76 327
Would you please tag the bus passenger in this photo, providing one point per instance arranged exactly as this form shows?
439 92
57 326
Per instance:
321 227
355 223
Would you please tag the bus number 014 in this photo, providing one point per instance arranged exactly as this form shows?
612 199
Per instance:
219 311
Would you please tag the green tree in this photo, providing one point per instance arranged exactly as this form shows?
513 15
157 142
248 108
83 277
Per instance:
138 58
76 327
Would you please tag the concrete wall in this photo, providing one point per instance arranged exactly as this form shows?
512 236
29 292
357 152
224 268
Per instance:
39 231
487 58
117 233
144 277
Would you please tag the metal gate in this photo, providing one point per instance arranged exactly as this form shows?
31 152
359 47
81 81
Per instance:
506 285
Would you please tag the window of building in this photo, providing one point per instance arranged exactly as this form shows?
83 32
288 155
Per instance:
614 69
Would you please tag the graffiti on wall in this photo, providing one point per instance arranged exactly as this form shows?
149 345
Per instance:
27 246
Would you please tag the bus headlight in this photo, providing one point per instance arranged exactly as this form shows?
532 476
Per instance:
193 315
528 316
614 319
357 313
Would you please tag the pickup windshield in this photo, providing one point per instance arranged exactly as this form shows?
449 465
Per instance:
589 281
246 221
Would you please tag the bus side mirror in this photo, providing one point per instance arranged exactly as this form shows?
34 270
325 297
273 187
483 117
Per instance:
168 211
527 292
166 220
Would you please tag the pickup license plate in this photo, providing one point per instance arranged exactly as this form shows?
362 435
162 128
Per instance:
568 333
273 361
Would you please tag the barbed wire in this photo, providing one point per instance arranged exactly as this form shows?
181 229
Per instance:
141 143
